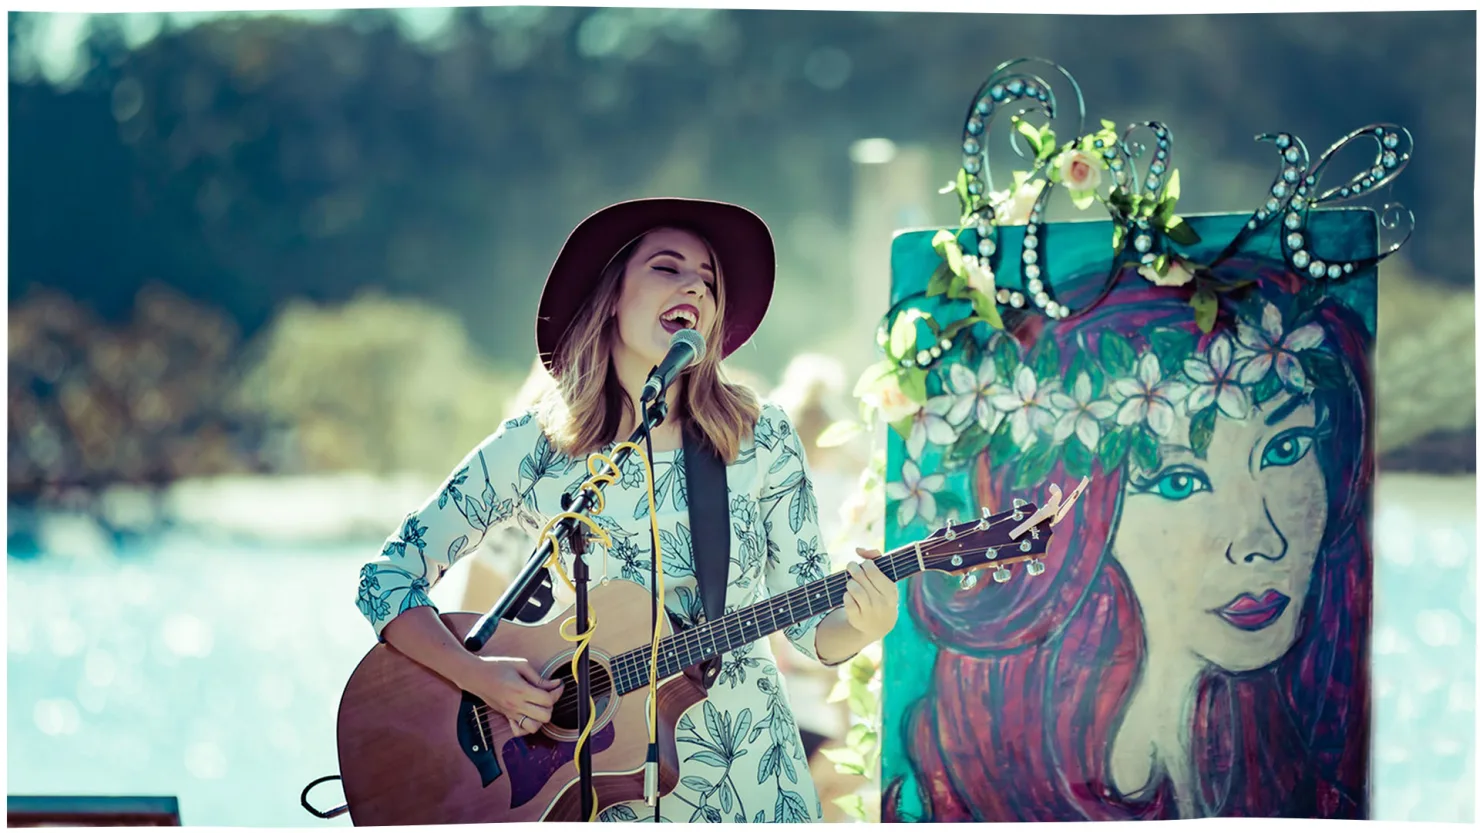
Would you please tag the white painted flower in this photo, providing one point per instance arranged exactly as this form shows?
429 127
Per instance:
1026 406
930 424
1177 274
1269 346
1148 398
916 494
1215 381
1080 413
972 394
1079 171
890 399
1011 208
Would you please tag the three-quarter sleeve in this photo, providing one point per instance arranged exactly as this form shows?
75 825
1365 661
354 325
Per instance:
795 550
481 495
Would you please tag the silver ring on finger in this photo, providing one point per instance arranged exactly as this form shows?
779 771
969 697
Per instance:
522 718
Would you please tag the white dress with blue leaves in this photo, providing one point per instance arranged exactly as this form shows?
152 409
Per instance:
741 752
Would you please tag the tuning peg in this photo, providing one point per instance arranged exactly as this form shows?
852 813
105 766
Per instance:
991 553
1001 575
1025 545
950 533
1017 508
968 581
1035 567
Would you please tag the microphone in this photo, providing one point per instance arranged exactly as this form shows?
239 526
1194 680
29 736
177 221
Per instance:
686 348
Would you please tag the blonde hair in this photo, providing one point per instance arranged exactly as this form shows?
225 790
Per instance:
581 416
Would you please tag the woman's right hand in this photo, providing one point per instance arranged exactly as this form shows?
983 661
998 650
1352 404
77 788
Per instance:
513 688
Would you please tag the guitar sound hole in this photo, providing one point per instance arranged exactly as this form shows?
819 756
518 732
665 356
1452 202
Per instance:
564 715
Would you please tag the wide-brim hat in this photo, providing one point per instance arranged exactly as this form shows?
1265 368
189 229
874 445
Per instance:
740 240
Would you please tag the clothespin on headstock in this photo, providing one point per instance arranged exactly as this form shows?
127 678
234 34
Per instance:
1054 510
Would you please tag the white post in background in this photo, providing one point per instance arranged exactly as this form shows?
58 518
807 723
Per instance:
892 190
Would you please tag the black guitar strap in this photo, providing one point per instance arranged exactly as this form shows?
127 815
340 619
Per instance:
709 528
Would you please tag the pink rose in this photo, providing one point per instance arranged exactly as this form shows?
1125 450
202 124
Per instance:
893 404
1079 171
1177 274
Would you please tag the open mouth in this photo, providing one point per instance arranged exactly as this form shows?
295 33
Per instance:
682 317
1252 614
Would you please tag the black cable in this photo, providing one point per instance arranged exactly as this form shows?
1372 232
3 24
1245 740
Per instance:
653 589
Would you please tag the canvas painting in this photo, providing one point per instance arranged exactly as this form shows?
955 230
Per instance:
1198 644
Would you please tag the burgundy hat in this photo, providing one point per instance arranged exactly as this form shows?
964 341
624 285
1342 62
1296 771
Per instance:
740 240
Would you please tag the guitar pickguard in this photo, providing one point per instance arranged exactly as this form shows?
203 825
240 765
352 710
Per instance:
473 742
532 759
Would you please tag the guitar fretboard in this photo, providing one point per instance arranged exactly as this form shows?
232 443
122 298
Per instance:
744 626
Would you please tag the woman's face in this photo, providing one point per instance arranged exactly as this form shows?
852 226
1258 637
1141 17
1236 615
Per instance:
1220 551
668 285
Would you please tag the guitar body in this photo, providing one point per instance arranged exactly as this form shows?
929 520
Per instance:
415 749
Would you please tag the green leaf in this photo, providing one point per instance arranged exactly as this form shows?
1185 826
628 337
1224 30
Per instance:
946 502
872 376
1180 232
861 668
972 441
1048 143
1174 186
986 310
839 691
912 383
1046 360
902 428
1322 369
1205 309
1117 238
1201 430
1172 347
940 281
860 699
1035 463
957 326
1267 387
852 804
1161 264
1029 132
861 737
1113 447
839 433
961 186
1078 460
1082 199
1001 447
1117 354
1006 356
942 238
902 335
1145 454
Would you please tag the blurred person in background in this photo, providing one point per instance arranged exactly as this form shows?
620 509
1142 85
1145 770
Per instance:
629 278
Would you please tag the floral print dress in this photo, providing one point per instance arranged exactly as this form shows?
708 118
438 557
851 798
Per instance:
741 751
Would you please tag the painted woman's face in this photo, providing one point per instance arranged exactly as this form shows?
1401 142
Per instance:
1220 551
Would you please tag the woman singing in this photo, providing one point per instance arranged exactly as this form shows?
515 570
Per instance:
627 279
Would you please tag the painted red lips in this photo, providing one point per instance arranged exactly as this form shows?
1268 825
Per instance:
1252 614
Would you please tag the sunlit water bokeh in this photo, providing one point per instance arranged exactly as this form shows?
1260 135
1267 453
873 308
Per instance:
211 670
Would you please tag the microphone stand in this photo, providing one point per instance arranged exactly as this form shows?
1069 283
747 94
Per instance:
570 534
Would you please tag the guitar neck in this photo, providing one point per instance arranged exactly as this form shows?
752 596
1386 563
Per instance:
750 623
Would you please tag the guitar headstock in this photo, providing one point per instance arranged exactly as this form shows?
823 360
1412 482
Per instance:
1018 536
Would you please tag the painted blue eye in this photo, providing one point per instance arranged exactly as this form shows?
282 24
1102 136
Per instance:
1176 484
1288 448
1179 485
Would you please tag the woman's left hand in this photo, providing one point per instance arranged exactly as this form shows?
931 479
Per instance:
871 601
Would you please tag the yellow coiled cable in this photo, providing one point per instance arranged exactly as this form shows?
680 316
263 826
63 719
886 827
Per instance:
594 464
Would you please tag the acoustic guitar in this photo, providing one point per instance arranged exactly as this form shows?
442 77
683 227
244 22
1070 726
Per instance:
415 749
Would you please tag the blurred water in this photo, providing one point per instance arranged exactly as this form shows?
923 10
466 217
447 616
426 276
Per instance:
212 671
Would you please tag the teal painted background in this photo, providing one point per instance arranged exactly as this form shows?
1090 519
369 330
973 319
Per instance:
1081 251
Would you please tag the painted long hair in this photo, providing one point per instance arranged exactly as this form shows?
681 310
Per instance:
583 411
1032 677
